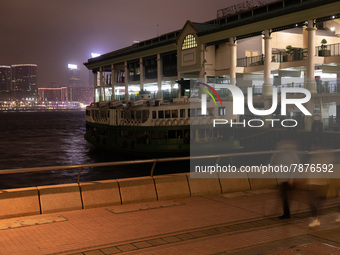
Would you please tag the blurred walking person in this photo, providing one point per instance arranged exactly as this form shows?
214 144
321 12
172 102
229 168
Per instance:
286 156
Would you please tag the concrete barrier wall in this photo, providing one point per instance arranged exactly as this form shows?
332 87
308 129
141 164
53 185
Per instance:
172 186
19 202
100 193
260 183
234 184
58 198
137 189
204 184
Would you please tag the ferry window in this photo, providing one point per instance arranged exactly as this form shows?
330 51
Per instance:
199 112
182 113
193 134
215 132
174 114
210 111
154 115
189 42
175 134
138 115
172 134
167 114
160 114
156 134
221 111
191 112
201 133
145 115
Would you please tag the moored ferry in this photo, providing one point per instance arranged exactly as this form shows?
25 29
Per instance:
156 127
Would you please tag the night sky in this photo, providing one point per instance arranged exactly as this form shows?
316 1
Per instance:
53 33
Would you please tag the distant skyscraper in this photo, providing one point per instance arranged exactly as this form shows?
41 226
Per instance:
73 79
24 81
5 78
73 76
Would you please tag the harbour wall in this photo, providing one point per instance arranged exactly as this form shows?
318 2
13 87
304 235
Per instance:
66 197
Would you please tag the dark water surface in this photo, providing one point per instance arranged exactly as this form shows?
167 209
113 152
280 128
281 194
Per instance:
56 138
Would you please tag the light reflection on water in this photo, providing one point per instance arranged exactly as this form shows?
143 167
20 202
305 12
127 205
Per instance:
35 139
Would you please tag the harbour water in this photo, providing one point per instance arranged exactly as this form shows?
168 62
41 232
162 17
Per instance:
55 138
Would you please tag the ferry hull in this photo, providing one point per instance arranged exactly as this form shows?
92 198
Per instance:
138 140
153 141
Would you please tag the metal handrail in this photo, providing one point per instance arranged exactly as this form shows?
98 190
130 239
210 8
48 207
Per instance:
153 161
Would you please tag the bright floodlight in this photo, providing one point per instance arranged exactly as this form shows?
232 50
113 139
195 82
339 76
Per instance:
94 55
72 66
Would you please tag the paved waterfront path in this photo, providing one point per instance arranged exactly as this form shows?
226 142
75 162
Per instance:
238 223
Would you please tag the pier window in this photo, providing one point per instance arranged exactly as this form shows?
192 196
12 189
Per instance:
134 71
120 76
189 42
221 111
150 68
170 65
154 115
182 113
160 114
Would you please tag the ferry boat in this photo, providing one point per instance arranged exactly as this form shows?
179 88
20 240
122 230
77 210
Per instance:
157 127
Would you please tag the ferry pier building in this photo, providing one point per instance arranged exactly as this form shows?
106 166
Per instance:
282 44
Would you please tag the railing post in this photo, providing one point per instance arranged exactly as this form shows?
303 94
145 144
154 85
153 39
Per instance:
217 160
153 168
79 175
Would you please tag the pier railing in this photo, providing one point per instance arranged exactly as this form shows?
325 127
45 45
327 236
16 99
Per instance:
152 161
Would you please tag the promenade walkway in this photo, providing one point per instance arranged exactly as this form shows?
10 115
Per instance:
237 223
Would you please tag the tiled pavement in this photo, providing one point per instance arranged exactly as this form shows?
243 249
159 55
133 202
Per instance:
242 223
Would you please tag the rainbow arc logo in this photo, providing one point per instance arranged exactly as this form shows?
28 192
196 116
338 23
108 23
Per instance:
204 97
208 92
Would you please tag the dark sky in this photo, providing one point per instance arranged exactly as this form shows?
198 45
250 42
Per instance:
53 33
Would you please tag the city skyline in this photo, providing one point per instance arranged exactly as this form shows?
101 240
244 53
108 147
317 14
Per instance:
54 34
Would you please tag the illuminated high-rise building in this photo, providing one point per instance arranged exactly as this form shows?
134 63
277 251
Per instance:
24 81
73 79
5 83
5 78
